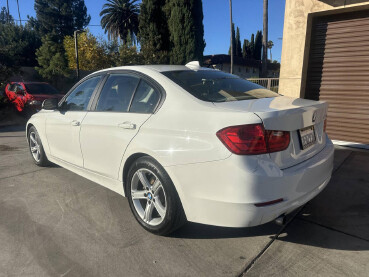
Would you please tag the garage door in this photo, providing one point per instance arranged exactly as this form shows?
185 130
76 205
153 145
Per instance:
338 72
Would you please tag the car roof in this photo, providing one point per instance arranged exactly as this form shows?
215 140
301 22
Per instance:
158 68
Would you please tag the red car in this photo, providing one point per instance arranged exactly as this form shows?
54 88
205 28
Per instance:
30 94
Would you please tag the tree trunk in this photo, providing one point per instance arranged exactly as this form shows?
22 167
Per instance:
264 70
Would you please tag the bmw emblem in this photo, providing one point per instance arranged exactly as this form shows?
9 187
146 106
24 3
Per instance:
149 195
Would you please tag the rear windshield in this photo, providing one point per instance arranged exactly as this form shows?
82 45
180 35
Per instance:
41 89
217 86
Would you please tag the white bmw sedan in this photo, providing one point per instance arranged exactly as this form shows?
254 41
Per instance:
188 143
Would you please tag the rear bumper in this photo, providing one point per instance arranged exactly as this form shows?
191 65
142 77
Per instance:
224 193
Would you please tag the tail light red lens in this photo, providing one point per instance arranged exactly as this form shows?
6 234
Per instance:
253 139
277 140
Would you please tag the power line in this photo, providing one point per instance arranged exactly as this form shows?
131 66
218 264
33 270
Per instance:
89 25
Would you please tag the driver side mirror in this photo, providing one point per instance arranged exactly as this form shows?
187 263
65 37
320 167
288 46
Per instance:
50 104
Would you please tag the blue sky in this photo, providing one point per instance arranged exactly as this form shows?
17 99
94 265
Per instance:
247 15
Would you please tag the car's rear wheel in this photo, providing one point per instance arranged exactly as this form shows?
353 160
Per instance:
36 148
153 198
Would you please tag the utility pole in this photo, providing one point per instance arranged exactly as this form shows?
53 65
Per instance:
76 48
264 69
230 11
7 13
19 15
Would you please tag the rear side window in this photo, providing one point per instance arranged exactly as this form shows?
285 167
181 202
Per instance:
117 93
217 86
146 98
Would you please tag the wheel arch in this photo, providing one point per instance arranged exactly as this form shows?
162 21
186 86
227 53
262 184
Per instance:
29 125
132 158
128 163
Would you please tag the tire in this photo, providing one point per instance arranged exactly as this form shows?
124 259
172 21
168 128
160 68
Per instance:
36 149
164 213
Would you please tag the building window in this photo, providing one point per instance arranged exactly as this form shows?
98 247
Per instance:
239 69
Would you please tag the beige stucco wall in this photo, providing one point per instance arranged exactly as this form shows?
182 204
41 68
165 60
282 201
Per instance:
294 38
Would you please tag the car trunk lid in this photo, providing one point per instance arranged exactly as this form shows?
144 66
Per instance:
288 114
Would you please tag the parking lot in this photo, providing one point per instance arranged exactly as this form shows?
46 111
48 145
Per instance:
56 223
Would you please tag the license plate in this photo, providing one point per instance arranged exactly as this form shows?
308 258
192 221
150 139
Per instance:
307 137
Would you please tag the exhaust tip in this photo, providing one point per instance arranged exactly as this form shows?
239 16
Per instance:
281 220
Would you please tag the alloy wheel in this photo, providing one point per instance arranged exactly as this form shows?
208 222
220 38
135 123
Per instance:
148 197
34 146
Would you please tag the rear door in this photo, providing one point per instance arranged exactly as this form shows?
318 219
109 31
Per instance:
63 126
125 102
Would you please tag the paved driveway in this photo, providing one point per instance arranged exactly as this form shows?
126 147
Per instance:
55 223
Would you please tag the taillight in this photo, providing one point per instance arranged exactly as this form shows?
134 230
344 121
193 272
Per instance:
277 140
325 125
253 139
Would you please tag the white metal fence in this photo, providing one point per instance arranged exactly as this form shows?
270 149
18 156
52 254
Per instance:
269 83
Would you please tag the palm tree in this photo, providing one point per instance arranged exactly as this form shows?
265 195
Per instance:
265 39
119 18
270 46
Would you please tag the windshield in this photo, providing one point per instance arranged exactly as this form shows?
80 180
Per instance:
217 86
41 89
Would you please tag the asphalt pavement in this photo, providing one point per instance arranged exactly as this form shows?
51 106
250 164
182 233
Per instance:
56 223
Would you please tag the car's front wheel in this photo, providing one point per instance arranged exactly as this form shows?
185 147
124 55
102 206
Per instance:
36 148
153 198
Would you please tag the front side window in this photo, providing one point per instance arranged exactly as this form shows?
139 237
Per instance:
146 98
217 86
79 98
117 93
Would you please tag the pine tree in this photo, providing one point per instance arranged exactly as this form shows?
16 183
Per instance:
5 17
198 17
60 18
246 51
186 30
252 46
153 32
51 59
258 45
238 44
234 42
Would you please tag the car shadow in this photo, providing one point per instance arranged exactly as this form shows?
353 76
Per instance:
201 231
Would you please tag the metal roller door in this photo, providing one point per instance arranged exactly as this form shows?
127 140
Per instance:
338 72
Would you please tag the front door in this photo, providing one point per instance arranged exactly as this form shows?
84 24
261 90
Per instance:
124 104
63 126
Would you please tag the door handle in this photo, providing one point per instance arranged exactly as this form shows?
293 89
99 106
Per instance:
75 123
127 125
